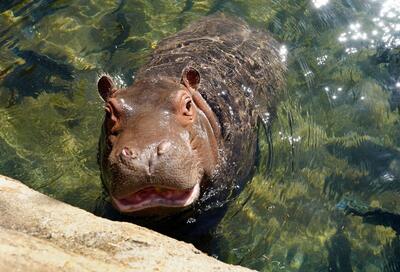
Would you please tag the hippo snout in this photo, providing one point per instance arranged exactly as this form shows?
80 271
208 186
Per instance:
161 174
144 160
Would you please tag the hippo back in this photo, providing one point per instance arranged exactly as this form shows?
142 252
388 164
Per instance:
241 72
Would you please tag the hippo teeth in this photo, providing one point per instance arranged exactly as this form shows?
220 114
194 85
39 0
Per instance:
155 197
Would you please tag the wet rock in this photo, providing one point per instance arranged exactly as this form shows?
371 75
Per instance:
38 233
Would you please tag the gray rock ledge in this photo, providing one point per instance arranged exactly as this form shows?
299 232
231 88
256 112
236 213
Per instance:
38 233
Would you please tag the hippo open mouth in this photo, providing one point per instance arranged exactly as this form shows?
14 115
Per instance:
153 196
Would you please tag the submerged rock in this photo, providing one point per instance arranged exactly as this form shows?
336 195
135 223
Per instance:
38 233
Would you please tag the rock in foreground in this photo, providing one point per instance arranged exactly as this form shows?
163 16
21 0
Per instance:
38 233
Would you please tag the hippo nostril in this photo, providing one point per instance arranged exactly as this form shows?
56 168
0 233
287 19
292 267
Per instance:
128 153
163 147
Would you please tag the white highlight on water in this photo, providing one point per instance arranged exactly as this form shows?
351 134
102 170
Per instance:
320 3
283 53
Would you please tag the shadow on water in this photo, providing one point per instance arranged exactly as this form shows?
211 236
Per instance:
373 216
370 215
376 158
391 255
339 252
39 72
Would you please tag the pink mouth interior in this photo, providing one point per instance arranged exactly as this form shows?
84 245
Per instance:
155 196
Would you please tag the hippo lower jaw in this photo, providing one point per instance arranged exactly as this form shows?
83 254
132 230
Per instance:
151 197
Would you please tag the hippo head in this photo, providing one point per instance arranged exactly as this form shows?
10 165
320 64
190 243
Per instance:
158 147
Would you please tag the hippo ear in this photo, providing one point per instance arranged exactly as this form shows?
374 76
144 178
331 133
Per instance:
190 78
105 86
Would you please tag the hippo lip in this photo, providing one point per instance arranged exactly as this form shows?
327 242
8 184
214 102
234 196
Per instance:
153 196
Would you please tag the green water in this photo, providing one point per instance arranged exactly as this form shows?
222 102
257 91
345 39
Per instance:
336 138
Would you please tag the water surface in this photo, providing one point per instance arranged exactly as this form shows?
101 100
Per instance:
336 139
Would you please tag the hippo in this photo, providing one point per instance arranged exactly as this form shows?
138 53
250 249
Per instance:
181 142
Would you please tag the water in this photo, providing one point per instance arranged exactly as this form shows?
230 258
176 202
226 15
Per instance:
336 138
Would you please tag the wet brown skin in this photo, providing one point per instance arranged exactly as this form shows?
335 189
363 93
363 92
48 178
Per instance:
164 140
190 118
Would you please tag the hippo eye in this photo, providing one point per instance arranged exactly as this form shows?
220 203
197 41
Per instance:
185 108
108 112
189 105
111 121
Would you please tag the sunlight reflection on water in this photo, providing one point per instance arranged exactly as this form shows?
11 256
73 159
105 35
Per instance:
320 3
386 29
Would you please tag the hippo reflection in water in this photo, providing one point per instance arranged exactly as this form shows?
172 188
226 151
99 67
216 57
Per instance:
181 142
